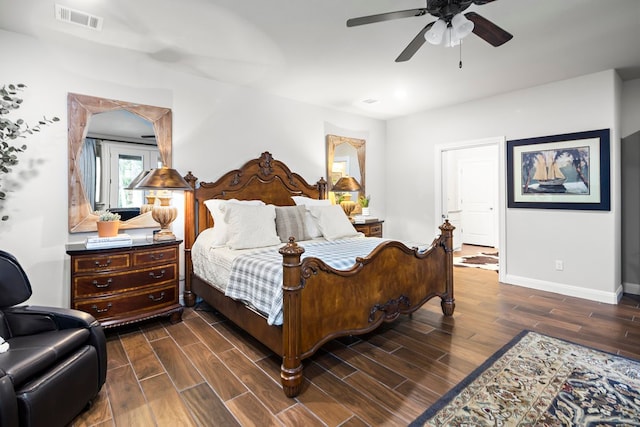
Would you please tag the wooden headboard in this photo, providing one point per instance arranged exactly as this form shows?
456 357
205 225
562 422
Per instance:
263 179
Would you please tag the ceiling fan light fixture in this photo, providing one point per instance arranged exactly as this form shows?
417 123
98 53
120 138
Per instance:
450 38
462 27
436 32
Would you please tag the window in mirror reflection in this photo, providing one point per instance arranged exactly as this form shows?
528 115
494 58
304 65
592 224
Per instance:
340 168
128 168
116 165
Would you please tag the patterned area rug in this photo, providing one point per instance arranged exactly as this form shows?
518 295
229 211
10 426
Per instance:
484 260
537 380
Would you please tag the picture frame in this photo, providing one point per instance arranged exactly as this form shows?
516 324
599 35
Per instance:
567 171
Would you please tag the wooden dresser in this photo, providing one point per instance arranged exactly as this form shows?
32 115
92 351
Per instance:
372 228
123 285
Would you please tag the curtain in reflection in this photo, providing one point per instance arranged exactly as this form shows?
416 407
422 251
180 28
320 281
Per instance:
87 165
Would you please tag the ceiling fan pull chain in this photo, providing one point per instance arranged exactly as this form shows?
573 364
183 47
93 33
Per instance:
460 63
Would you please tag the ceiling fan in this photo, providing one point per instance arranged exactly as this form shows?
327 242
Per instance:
452 25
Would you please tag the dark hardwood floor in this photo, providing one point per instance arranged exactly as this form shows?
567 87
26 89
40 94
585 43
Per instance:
204 371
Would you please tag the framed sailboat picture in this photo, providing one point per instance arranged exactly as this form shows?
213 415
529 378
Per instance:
569 171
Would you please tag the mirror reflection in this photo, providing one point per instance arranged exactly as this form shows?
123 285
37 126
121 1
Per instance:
110 143
118 147
346 157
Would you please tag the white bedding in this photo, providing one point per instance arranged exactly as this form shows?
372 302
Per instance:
214 263
258 287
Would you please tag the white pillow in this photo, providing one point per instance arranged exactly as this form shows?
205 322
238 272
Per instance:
250 226
332 222
310 222
308 201
220 234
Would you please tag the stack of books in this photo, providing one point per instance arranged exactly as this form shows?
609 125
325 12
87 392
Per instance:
363 219
95 242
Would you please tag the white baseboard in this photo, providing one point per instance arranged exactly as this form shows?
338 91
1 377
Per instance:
631 288
569 290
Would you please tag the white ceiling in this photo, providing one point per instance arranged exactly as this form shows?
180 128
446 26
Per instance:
302 49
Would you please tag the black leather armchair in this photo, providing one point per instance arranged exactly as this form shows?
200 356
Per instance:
57 358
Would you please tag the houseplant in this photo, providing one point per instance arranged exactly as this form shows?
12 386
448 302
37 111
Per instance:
11 130
108 223
364 203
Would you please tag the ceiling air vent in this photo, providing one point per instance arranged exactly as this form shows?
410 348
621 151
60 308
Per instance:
73 16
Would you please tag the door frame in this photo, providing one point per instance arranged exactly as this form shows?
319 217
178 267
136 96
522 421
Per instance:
440 179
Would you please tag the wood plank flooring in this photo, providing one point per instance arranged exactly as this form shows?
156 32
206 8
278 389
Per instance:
206 372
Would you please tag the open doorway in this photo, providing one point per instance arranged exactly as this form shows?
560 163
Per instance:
470 193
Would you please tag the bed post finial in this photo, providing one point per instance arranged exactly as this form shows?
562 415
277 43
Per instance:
448 303
291 369
322 188
189 237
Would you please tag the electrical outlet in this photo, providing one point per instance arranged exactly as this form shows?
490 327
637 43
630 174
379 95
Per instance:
559 265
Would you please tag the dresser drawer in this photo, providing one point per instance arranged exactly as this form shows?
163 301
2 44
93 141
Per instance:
119 286
375 230
371 229
97 263
157 256
108 283
129 303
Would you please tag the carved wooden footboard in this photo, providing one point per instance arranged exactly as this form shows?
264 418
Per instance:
319 302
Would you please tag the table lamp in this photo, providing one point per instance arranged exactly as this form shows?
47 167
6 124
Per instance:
164 214
346 184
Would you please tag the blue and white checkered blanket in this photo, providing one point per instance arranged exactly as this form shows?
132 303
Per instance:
256 278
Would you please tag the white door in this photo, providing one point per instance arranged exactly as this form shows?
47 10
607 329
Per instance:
478 188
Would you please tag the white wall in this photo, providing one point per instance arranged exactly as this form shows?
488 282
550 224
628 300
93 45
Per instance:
587 242
216 127
630 108
630 124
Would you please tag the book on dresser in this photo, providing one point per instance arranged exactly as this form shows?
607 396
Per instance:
96 242
361 219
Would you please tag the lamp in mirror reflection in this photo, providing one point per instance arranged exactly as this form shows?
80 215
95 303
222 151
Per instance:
163 181
346 185
150 196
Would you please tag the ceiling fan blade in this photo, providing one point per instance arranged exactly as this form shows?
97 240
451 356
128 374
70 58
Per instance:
487 30
415 44
481 2
385 17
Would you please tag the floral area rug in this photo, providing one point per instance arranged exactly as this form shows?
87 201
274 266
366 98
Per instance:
537 380
487 261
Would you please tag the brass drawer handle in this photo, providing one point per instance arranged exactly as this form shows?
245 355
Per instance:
100 285
103 265
154 256
103 310
159 276
160 298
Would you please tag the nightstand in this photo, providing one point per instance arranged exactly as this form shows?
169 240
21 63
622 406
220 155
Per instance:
123 285
371 228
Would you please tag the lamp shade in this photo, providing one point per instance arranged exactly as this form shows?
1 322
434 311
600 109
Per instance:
450 38
163 178
347 183
435 33
135 181
462 27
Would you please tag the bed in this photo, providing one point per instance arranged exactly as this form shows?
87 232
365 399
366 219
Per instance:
319 302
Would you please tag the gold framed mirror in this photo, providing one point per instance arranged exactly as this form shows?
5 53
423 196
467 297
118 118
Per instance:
346 157
80 110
